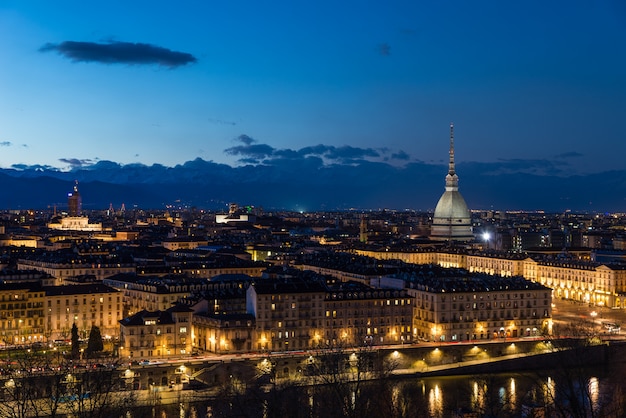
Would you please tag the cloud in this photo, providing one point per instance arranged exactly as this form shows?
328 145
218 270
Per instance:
315 150
114 52
76 163
384 49
250 160
105 165
287 154
258 151
400 155
34 167
245 139
342 153
5 144
251 152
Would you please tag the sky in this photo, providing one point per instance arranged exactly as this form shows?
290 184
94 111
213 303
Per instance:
247 82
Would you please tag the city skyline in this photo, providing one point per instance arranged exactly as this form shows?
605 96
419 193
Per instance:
533 89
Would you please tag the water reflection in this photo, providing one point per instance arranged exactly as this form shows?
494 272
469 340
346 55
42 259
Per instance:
485 395
435 402
395 396
594 391
512 393
549 391
478 396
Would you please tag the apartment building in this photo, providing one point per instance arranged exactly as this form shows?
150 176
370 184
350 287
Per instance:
479 307
156 334
22 313
85 305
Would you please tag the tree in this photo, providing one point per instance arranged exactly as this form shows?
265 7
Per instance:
94 344
75 342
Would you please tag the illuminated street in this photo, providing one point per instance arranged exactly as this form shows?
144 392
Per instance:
574 313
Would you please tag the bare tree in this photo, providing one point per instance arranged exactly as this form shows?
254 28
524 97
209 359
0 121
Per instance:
571 387
342 379
39 385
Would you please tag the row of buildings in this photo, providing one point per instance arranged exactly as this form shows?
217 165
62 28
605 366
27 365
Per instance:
283 309
295 309
569 276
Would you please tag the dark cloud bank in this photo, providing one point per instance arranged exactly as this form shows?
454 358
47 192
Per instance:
120 53
319 177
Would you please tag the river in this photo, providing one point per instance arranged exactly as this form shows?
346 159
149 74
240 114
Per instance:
567 392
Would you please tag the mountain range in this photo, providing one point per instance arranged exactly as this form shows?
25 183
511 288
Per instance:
311 186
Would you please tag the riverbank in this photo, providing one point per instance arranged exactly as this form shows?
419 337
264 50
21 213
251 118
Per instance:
587 355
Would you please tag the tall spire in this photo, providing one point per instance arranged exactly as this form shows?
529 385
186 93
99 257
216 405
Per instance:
452 180
451 164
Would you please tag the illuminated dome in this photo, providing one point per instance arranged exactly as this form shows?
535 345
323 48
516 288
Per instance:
452 220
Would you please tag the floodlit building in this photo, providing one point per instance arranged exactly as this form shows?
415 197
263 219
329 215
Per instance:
156 334
21 313
235 214
301 311
452 220
85 305
479 307
75 221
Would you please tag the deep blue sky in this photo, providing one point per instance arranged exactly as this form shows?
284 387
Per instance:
542 82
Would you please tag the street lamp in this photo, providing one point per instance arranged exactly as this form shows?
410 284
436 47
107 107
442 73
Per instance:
486 238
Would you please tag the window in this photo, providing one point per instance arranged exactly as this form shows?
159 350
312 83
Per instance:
183 330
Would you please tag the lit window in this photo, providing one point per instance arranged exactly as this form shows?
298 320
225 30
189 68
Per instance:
183 330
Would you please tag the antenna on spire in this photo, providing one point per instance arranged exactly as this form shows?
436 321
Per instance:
451 170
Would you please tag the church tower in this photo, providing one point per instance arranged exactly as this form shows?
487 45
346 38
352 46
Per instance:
74 202
452 220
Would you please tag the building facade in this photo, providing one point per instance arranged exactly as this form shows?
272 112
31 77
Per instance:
85 305
580 280
480 308
156 334
153 293
22 314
